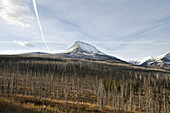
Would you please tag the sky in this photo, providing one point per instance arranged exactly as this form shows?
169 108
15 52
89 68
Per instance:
127 29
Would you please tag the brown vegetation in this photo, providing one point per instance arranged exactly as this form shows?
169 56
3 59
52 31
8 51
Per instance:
71 85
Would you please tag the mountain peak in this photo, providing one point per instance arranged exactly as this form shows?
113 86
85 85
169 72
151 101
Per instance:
141 61
80 47
164 56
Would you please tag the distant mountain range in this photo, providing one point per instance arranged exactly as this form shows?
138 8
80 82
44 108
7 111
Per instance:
162 61
84 50
80 50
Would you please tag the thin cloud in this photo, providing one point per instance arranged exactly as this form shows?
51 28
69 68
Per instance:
91 42
16 12
24 44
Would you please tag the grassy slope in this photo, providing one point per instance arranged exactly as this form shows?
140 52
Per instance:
25 104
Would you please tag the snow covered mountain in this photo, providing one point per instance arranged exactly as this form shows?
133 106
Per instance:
162 61
79 50
141 61
84 50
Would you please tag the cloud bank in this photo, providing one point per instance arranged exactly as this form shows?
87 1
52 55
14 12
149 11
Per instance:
16 12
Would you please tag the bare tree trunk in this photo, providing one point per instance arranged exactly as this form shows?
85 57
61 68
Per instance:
8 88
66 92
102 95
3 78
122 97
24 85
5 91
35 88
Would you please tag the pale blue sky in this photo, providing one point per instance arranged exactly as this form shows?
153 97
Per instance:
127 29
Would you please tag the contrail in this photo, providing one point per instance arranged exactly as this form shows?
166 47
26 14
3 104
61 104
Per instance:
38 20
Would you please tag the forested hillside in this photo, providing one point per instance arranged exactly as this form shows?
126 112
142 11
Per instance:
46 84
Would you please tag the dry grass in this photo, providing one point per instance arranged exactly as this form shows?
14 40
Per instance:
26 104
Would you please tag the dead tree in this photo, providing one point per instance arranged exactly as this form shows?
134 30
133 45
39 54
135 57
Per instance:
102 95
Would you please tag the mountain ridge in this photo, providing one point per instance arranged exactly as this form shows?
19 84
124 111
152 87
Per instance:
162 61
79 50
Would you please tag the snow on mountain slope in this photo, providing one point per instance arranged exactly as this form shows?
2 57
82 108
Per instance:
159 61
80 50
84 48
141 61
164 56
